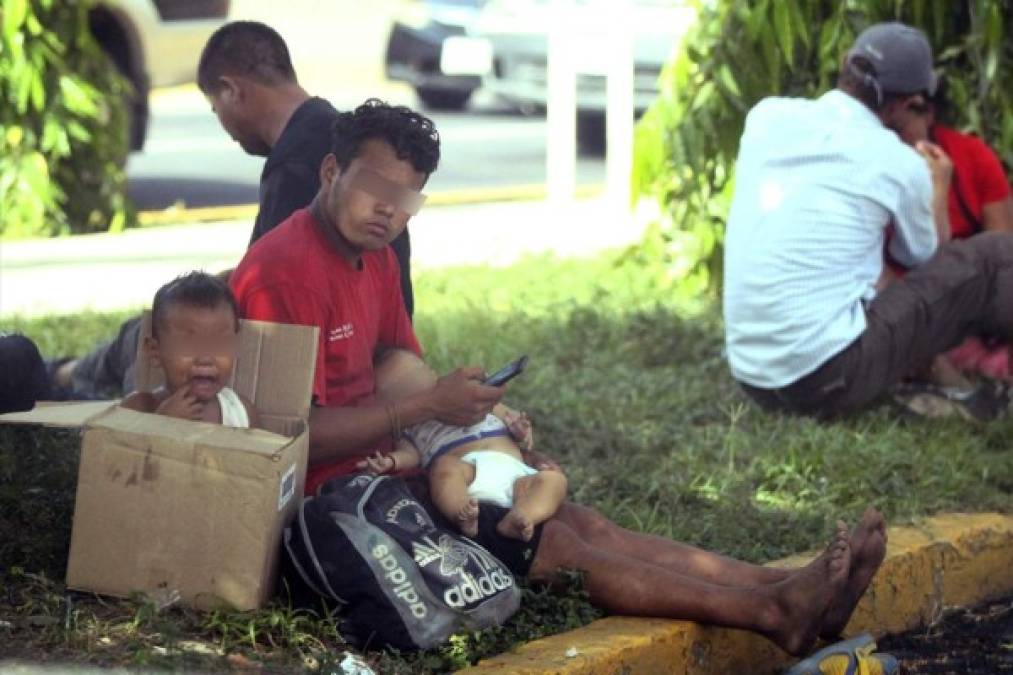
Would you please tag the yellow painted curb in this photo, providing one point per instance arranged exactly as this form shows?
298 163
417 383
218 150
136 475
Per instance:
463 197
176 91
205 214
952 559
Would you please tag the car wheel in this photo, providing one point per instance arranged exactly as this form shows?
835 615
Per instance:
112 38
443 99
591 133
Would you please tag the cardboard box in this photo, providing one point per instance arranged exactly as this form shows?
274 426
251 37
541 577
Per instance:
167 506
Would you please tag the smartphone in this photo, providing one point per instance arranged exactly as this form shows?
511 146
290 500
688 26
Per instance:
507 372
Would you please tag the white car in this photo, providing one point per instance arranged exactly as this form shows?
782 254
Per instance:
154 43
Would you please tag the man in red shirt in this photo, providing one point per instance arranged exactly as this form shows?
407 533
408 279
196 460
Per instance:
329 266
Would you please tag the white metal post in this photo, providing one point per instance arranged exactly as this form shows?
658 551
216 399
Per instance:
619 109
561 106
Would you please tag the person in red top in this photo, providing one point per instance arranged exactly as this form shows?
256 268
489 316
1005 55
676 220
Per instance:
329 266
979 200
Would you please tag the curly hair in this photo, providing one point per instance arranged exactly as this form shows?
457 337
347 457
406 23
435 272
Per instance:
247 48
196 289
412 135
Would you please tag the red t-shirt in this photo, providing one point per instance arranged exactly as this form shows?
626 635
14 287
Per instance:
294 275
978 176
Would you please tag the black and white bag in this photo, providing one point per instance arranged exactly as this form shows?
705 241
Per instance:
400 579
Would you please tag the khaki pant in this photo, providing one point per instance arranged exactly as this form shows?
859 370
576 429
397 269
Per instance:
965 289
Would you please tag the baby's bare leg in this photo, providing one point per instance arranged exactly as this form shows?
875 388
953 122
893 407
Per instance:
449 479
536 499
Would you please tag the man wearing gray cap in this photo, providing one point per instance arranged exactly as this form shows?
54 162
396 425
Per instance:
819 183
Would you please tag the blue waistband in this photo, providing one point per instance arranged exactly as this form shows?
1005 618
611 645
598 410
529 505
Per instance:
444 449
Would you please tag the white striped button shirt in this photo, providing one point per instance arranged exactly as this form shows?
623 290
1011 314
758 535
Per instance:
817 183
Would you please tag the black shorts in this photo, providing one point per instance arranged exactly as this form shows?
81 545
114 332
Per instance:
517 555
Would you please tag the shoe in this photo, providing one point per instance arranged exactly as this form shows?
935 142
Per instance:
848 657
984 403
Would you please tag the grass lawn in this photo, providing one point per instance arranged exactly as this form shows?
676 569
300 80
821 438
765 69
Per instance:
627 387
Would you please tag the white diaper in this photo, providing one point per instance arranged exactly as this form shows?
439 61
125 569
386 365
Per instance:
495 473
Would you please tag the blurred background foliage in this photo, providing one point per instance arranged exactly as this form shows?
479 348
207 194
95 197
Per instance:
63 136
739 53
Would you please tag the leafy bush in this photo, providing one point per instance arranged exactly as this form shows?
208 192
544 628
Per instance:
739 52
63 139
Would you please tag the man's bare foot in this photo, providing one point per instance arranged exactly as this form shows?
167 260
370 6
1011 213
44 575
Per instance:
802 599
868 548
467 518
516 526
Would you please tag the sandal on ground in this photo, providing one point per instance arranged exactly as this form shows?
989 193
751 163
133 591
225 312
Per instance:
984 403
848 657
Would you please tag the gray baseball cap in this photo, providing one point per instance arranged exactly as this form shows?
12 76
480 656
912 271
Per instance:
901 56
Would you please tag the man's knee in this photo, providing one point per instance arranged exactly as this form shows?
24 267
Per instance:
988 251
560 547
585 520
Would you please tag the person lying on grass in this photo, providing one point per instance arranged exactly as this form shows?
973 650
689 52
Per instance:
472 464
194 327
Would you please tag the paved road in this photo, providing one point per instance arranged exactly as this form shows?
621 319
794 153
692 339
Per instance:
188 159
112 271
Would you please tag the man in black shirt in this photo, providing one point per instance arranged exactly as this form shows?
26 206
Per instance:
246 74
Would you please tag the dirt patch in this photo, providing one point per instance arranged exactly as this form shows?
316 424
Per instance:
971 641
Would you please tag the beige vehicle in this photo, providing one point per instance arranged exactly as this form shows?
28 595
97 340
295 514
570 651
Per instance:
154 43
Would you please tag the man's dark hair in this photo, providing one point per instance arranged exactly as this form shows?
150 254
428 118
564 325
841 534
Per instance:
857 77
412 135
196 289
245 48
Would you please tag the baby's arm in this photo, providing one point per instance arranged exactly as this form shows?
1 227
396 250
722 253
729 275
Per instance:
251 412
404 457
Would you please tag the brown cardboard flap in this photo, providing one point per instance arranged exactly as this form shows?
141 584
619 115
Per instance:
274 366
63 414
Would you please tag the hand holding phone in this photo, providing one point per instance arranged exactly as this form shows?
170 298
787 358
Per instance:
507 372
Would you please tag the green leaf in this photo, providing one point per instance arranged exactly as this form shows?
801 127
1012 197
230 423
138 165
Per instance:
33 25
782 26
799 21
34 173
23 87
703 96
756 18
38 94
728 80
14 13
77 97
991 66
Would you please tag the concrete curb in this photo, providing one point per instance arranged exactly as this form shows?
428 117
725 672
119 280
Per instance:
949 560
461 197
